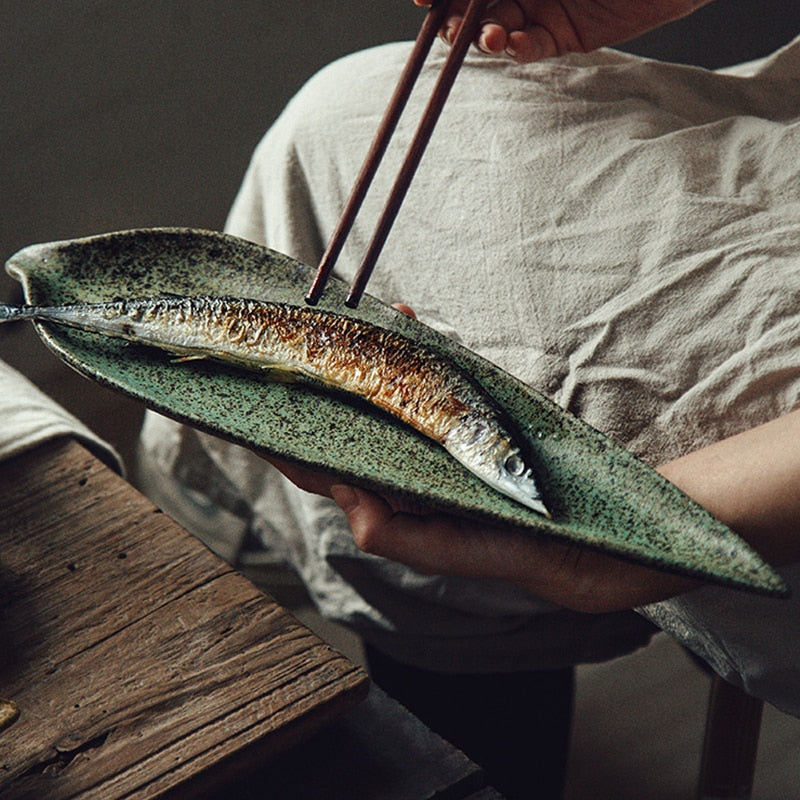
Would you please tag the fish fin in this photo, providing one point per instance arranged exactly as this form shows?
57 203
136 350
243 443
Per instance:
281 375
185 359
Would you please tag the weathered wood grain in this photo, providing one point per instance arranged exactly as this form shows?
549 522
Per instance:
138 659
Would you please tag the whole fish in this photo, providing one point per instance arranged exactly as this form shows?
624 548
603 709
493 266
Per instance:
426 391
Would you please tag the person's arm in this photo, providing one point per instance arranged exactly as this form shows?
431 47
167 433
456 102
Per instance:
749 481
529 30
752 483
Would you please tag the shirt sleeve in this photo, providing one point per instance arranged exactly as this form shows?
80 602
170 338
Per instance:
749 640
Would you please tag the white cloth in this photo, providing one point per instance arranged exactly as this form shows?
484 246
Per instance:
30 418
751 641
620 233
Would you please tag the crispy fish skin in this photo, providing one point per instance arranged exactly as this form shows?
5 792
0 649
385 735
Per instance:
384 368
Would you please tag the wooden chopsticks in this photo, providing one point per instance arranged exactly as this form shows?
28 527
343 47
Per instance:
431 24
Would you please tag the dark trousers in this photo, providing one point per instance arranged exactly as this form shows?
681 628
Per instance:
516 726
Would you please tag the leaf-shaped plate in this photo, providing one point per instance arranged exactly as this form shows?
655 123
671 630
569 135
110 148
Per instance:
601 496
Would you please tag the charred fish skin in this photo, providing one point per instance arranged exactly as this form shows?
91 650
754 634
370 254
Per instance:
380 366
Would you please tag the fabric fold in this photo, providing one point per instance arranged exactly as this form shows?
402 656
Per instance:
30 418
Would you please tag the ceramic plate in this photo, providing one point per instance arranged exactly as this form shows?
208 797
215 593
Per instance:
600 495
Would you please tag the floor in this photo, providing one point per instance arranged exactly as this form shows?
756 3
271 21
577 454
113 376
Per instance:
639 720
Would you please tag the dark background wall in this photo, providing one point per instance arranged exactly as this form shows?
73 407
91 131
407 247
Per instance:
118 115
142 113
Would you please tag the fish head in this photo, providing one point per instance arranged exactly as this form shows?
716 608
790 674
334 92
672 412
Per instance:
515 478
489 452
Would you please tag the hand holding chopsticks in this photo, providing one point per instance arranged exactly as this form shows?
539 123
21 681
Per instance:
431 24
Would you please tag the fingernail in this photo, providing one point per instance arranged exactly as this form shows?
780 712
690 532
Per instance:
451 30
344 497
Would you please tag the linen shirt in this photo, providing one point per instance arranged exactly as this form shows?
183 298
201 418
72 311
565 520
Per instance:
620 233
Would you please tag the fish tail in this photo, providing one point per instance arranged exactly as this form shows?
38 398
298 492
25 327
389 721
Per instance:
10 313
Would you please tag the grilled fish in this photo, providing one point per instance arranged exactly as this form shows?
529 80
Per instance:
380 366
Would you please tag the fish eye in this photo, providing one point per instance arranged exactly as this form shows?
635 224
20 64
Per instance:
514 465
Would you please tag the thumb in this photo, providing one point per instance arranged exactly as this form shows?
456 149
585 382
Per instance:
368 514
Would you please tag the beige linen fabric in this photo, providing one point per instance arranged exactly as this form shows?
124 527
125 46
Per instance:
30 418
620 233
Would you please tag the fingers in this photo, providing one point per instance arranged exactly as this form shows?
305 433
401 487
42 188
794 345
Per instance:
502 18
532 44
492 39
306 479
430 543
563 573
507 29
403 308
439 544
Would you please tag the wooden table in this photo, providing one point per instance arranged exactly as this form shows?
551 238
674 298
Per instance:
138 659
144 666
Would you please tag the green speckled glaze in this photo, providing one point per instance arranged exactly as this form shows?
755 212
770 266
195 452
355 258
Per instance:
600 495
